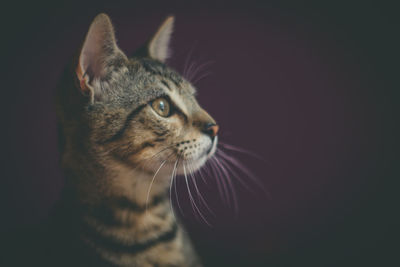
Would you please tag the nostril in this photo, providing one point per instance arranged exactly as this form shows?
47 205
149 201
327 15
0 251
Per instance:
211 129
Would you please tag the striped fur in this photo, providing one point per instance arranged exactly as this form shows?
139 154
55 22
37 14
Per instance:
113 142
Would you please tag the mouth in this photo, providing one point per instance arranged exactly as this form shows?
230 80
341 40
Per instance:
195 163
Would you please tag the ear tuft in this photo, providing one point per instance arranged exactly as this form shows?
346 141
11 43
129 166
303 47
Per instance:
159 45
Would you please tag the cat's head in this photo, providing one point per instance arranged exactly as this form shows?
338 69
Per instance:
136 109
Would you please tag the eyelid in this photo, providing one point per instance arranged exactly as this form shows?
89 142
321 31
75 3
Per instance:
161 96
176 109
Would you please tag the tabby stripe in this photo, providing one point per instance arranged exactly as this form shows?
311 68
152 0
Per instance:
149 68
159 69
127 154
162 133
175 79
124 202
121 131
147 144
166 84
105 212
115 245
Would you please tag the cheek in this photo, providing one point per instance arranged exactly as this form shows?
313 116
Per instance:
176 127
151 155
158 139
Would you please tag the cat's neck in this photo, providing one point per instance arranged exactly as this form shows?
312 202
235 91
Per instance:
121 218
97 179
137 185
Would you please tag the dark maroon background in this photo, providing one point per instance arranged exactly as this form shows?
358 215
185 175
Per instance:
303 85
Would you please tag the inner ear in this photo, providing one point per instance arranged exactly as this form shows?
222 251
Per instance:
98 53
158 47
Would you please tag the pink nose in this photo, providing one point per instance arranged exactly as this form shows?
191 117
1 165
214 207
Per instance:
213 130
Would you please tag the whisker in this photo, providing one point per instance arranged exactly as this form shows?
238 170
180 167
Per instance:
191 197
190 70
232 188
188 58
242 150
202 77
170 191
144 162
154 177
200 171
176 191
220 175
226 164
198 69
152 181
198 191
219 186
157 153
207 169
244 169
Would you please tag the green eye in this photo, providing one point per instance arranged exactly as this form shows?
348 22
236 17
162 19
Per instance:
161 106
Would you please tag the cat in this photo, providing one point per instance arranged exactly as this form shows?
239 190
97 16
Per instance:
126 126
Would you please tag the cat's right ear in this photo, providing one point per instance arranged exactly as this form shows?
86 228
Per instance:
98 54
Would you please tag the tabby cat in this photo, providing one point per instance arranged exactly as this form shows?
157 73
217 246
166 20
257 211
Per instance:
128 124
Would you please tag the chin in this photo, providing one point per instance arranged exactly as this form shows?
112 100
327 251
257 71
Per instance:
185 164
191 166
197 163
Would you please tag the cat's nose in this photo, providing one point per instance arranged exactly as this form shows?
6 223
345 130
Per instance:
211 129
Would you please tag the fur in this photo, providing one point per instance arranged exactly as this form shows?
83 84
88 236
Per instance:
113 145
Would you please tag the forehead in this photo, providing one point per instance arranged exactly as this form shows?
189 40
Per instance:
167 76
147 79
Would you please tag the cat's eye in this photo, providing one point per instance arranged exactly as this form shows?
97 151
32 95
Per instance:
161 106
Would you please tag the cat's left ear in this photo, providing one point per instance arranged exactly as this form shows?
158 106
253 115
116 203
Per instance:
99 56
158 47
